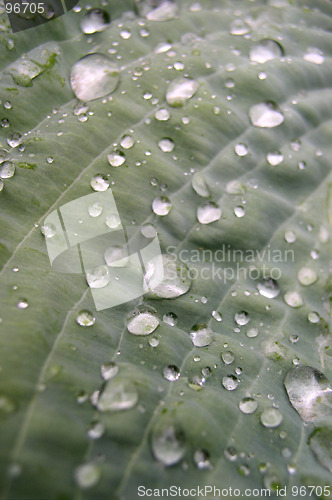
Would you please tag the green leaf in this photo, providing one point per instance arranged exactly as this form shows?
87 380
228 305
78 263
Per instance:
275 222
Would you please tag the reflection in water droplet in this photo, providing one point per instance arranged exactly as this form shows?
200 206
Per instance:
230 382
293 299
275 158
180 90
166 145
98 277
209 212
161 205
271 417
176 280
116 158
201 335
309 392
242 318
143 320
266 115
168 442
7 170
269 288
117 395
248 405
48 230
265 50
85 318
94 21
99 182
87 475
306 276
94 76
171 373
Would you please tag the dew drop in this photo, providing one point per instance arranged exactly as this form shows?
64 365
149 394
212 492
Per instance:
201 335
306 276
148 231
161 205
239 211
230 382
171 373
200 185
180 90
7 170
165 11
162 115
290 236
209 212
248 405
313 317
314 55
85 318
176 280
265 50
202 459
293 299
98 277
266 115
127 142
143 320
242 318
153 342
94 76
116 158
109 370
170 319
227 357
271 417
216 315
48 230
87 475
117 395
241 149
95 209
269 288
166 145
113 221
168 442
94 21
320 442
96 430
252 333
99 182
275 158
116 256
14 140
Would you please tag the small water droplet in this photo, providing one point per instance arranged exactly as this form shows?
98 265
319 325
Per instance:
180 90
94 76
85 318
231 453
269 288
127 142
143 320
116 158
266 115
201 335
239 27
200 185
209 212
230 382
293 299
241 149
170 319
162 115
313 317
248 405
271 417
166 145
239 211
314 55
153 342
109 370
22 304
113 221
98 277
202 459
162 11
290 236
95 209
227 357
87 475
99 182
96 430
242 318
275 158
171 373
161 205
265 50
14 140
216 315
48 230
117 395
7 170
306 276
116 256
94 21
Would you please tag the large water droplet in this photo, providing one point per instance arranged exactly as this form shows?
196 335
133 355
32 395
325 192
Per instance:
271 417
176 280
98 277
248 405
85 318
116 158
269 288
87 475
161 205
320 443
265 50
309 392
94 76
230 382
7 170
201 335
117 395
168 442
209 212
266 114
143 320
94 21
180 90
171 373
127 142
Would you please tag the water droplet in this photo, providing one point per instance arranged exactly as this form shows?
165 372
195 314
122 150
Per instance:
94 76
230 382
231 453
200 185
248 405
170 319
306 276
117 395
98 277
1 184
116 158
309 392
95 209
161 205
166 145
148 230
109 370
7 170
217 316
293 299
94 21
252 332
96 430
242 318
113 221
290 236
143 320
313 55
313 317
85 318
171 373
271 417
227 357
265 50
22 304
320 442
269 288
99 182
165 11
209 212
176 280
266 114
239 211
116 256
153 342
168 442
201 335
127 142
239 27
48 230
275 158
162 115
202 459
241 149
180 90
